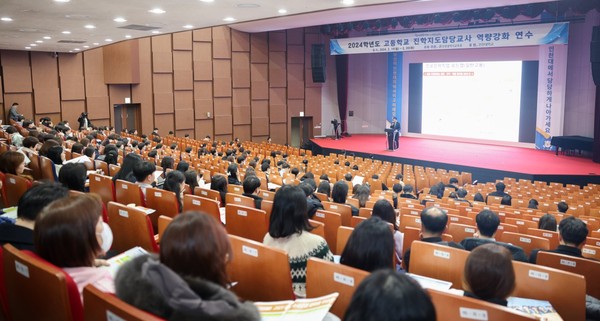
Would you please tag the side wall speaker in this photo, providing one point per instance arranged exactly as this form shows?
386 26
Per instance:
317 58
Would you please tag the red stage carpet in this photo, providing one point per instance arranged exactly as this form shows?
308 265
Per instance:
502 158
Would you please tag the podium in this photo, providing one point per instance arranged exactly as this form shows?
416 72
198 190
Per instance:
302 130
392 137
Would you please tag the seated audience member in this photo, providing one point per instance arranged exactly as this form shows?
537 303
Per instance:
363 193
12 162
144 175
562 207
188 280
70 234
175 182
183 166
547 222
167 163
90 152
407 192
461 193
126 171
453 184
339 194
500 187
533 204
506 200
30 146
434 191
20 234
251 187
16 139
478 197
77 148
289 230
73 176
433 224
312 201
397 189
487 225
572 235
384 187
489 274
385 211
387 295
348 177
324 188
233 174
370 246
192 179
219 183
57 155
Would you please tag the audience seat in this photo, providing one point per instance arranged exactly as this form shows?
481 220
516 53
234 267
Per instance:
553 237
460 232
14 187
525 241
343 234
344 210
163 223
131 227
455 307
438 262
504 227
324 277
246 222
235 189
365 212
332 222
47 169
4 314
103 186
259 272
591 252
522 225
238 199
409 221
100 306
460 220
128 193
590 269
592 241
164 202
356 220
201 204
113 170
101 165
39 290
319 228
208 193
34 165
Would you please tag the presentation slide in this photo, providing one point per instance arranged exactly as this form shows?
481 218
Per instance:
479 100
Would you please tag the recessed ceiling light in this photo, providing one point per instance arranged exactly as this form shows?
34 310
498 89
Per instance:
27 47
119 19
66 32
282 11
155 31
62 0
188 27
157 11
96 43
208 1
76 49
39 41
86 46
108 40
127 36
70 50
247 5
32 45
347 2
7 19
229 19
47 37
90 26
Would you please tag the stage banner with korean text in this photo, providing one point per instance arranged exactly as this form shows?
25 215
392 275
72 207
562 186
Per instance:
488 37
394 86
552 79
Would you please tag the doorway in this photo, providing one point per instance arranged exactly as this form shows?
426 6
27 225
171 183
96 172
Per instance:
128 116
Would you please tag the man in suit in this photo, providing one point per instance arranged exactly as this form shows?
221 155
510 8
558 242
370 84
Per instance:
500 187
396 127
572 235
433 224
14 114
487 225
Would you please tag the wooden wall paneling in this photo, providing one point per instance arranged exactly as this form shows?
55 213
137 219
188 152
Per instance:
259 48
243 132
70 111
204 127
277 40
17 72
241 107
277 69
312 107
122 62
240 41
223 117
202 59
240 69
162 83
294 107
93 70
44 76
259 80
184 109
162 55
277 105
295 36
183 132
202 34
25 101
163 93
224 137
1 91
295 74
164 123
142 93
72 80
260 118
222 77
279 133
117 95
97 108
295 54
221 42
183 78
203 100
182 40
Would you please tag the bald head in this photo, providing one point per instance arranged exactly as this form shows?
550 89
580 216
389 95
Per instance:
434 220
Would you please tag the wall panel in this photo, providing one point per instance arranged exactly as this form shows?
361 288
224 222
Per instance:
72 81
97 107
182 40
204 128
70 111
15 65
240 41
243 132
277 69
277 41
142 93
44 74
202 54
259 48
278 133
202 34
184 119
164 123
221 42
240 69
203 99
25 101
93 64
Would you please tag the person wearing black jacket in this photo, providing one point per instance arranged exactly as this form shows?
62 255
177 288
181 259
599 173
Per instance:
251 187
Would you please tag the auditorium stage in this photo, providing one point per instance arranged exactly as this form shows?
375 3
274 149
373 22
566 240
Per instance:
486 162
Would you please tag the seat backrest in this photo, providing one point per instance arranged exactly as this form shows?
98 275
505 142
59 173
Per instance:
344 210
526 242
455 307
128 193
332 222
460 232
343 235
460 219
553 237
438 261
113 169
103 186
267 206
202 204
592 241
564 290
101 306
208 193
409 220
47 169
233 198
365 212
521 224
260 272
505 227
355 220
246 222
14 187
235 189
164 202
163 222
324 277
591 252
319 228
590 269
34 165
131 227
38 290
101 165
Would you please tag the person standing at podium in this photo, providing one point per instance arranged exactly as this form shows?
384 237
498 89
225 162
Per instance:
395 127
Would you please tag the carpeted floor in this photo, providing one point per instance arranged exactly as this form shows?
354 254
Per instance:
513 159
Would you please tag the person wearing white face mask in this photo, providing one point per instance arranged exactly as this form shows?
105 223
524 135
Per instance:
70 234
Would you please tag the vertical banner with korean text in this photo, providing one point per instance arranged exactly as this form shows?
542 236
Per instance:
394 86
551 99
